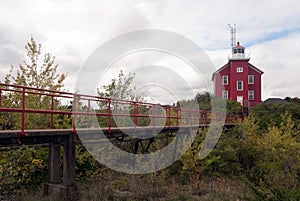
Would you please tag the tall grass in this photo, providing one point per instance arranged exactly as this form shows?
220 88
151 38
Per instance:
114 186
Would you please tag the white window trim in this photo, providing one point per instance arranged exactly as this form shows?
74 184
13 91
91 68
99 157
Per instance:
223 94
239 69
249 79
223 79
237 85
252 94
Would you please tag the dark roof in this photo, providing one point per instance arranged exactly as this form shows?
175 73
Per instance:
276 100
219 70
255 68
238 46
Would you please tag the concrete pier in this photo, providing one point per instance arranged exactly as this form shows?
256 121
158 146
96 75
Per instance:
62 187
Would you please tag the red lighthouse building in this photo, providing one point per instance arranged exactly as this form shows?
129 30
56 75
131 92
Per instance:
238 80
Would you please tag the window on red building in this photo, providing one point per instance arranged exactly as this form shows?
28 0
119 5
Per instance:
239 85
225 79
239 69
225 94
251 79
251 95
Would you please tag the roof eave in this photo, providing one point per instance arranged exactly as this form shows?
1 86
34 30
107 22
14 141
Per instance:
219 70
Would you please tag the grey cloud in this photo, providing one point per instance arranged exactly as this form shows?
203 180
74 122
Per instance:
71 30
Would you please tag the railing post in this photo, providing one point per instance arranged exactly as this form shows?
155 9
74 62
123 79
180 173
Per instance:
168 117
52 110
22 133
200 117
154 117
186 117
116 115
177 116
206 118
191 117
89 115
135 115
74 114
23 109
182 117
0 97
108 115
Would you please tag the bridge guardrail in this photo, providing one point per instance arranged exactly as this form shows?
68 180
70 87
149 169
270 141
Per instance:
21 102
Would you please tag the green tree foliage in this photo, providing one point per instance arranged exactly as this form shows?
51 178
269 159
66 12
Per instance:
21 168
267 159
233 107
37 72
272 112
294 100
121 88
272 159
203 99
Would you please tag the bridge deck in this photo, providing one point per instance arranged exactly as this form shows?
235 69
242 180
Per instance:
12 137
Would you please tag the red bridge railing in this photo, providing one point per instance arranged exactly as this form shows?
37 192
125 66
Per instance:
23 108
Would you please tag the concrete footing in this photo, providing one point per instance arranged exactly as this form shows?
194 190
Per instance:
61 192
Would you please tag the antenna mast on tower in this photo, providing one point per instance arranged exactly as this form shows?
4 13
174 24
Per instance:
233 34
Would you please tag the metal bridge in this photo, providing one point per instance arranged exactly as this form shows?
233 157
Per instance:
37 116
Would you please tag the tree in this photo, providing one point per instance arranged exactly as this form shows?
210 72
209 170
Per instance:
233 107
121 88
295 100
36 73
268 160
204 100
271 158
271 113
289 99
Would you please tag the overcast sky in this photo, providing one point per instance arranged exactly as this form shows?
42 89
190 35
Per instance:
72 29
